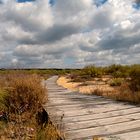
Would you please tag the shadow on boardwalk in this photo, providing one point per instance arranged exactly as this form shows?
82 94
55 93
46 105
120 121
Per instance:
81 117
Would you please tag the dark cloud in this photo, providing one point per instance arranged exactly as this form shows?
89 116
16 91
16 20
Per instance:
56 51
118 41
137 1
21 20
87 48
30 61
26 53
55 33
27 41
101 19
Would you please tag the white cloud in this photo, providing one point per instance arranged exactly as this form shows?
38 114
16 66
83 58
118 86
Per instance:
71 33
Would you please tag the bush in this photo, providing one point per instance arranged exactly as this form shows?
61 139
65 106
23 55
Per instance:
135 79
126 94
118 71
3 97
25 92
92 71
21 99
116 82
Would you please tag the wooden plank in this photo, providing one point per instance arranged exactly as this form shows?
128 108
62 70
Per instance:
72 95
135 135
102 115
70 102
61 102
101 122
77 106
68 113
104 130
83 116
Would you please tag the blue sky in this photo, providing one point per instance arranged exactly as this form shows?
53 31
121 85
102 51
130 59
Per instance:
25 0
69 33
100 2
97 2
52 2
136 5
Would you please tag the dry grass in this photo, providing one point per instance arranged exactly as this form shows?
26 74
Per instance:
126 94
21 96
101 86
106 138
49 133
88 87
25 92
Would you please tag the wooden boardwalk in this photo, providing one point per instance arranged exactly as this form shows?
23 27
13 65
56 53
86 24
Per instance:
83 116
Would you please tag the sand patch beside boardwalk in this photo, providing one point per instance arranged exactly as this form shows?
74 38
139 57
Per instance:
97 86
66 83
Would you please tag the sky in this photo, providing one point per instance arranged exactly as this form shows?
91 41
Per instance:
69 33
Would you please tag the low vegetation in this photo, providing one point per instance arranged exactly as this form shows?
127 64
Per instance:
45 73
22 95
115 81
21 112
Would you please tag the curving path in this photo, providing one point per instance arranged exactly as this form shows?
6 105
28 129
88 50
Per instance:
81 117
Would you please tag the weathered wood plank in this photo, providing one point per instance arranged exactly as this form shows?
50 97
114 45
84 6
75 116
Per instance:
102 115
77 106
87 111
104 130
83 116
130 136
101 122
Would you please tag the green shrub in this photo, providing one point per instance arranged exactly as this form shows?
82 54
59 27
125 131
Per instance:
116 82
92 71
3 98
118 71
135 79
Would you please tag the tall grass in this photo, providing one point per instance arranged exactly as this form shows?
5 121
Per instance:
3 97
21 97
25 92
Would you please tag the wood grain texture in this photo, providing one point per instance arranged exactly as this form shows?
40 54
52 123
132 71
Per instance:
82 116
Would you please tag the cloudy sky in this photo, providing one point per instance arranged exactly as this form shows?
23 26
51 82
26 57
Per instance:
69 33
